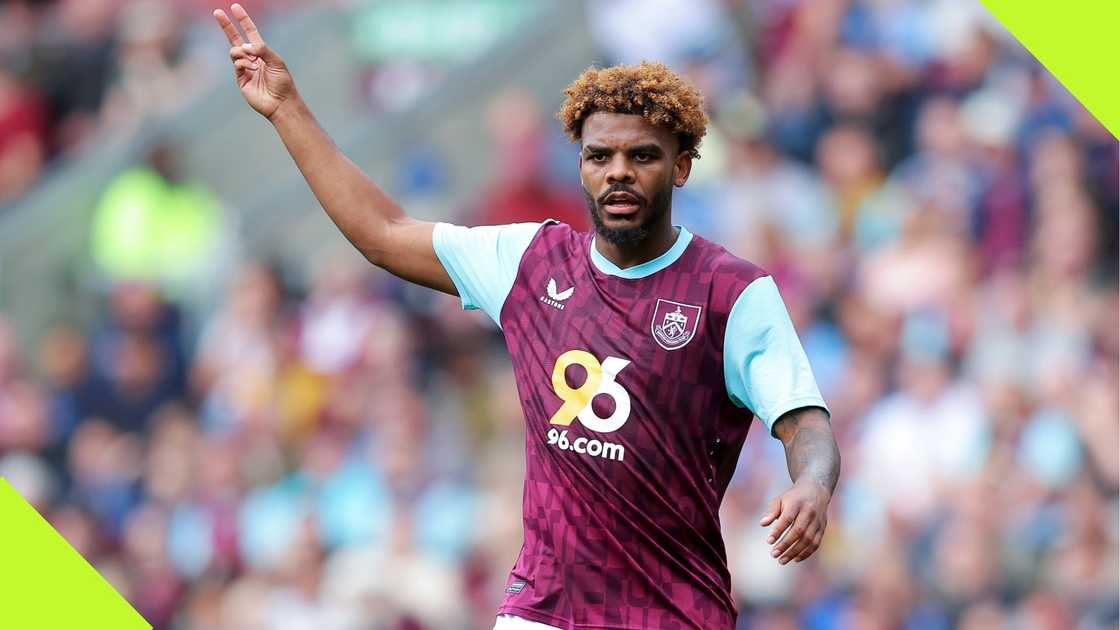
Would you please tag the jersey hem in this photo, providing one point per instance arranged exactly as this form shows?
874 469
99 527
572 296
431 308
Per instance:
796 403
533 615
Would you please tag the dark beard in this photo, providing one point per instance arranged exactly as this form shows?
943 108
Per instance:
624 237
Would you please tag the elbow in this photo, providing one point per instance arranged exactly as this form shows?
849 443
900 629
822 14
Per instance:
375 256
374 245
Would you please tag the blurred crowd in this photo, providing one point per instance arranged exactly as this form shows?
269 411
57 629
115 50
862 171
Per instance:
74 71
345 453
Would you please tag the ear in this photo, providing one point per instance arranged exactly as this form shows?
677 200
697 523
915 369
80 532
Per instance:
682 168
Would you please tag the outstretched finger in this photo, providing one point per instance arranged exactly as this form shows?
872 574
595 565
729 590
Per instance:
228 28
246 23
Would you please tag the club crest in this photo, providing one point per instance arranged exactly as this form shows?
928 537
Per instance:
674 324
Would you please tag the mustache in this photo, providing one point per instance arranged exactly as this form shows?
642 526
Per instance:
622 188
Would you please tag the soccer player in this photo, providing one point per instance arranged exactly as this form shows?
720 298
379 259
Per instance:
642 354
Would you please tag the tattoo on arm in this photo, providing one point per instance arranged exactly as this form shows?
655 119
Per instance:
811 449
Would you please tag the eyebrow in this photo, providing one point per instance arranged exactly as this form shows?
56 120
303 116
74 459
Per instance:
641 148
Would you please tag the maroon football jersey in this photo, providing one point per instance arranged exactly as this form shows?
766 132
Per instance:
631 438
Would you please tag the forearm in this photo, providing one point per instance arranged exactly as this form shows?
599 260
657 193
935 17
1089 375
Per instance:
811 450
368 217
359 208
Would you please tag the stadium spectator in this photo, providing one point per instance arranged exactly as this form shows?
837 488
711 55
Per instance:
525 190
150 225
23 130
71 70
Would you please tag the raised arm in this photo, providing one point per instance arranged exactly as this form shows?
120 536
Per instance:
365 214
813 458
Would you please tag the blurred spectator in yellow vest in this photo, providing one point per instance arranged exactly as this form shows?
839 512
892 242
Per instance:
151 226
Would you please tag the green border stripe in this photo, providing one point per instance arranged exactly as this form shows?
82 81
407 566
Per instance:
45 584
1078 42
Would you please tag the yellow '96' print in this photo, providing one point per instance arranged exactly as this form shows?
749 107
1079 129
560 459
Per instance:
600 380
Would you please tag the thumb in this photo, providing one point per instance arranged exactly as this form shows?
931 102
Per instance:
260 50
772 513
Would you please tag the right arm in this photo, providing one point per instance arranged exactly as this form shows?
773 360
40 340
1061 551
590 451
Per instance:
365 214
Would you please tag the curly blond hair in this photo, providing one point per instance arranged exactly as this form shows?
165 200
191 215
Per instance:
649 89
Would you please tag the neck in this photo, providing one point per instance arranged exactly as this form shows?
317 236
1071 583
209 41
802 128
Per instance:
624 256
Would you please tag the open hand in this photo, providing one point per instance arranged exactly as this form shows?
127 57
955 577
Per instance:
261 74
801 513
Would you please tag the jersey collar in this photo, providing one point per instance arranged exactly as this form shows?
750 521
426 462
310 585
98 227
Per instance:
650 267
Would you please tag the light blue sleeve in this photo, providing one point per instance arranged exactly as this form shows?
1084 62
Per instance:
483 261
764 365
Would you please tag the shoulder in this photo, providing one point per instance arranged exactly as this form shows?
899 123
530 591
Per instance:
554 231
722 261
484 240
730 274
561 238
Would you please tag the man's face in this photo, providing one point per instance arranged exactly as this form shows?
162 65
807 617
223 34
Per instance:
628 168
